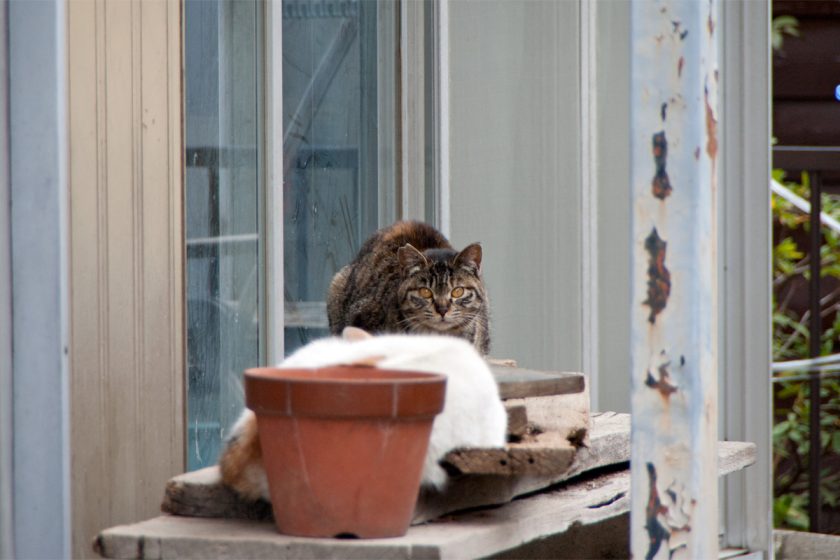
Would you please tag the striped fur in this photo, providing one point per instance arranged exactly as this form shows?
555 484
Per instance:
384 289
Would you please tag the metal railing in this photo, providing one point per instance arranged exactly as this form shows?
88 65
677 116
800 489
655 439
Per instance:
815 161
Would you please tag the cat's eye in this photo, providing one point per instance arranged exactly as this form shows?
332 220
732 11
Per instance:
458 292
426 293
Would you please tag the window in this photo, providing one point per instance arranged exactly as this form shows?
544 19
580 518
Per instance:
344 174
222 54
333 56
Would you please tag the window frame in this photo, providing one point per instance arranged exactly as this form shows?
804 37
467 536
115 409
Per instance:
412 107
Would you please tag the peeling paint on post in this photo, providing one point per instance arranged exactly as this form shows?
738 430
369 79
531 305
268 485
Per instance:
674 266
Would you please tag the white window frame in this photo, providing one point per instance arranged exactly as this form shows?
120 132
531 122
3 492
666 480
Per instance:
410 199
745 346
274 300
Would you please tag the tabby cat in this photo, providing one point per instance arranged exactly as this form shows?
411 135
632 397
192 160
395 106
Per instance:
407 278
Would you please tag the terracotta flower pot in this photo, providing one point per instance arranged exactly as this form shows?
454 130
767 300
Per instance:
344 446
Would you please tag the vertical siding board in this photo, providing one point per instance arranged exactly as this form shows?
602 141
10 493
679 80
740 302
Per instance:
121 410
159 430
139 242
126 259
103 242
87 466
101 338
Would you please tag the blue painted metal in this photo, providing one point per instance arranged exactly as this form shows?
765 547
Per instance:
674 122
40 319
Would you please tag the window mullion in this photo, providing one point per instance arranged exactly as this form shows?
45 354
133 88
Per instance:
273 208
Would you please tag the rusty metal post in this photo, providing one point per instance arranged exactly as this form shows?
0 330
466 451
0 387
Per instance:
674 121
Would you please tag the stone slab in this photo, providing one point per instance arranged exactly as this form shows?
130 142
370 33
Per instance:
543 454
563 419
517 418
609 445
484 479
799 545
517 383
474 534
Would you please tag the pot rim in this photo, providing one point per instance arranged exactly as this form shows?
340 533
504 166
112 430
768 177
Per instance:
384 376
344 392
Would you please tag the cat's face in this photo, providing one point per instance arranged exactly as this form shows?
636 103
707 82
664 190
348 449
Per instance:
442 290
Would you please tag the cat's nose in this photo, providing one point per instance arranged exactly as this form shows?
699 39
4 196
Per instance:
441 309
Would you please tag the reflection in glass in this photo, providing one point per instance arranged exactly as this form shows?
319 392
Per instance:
331 55
338 124
222 215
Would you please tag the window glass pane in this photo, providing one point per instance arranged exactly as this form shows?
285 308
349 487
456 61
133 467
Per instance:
338 60
339 122
222 58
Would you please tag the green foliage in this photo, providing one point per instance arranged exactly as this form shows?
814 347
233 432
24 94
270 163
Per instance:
783 25
789 511
791 335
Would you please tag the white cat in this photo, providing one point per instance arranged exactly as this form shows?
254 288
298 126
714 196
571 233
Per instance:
472 416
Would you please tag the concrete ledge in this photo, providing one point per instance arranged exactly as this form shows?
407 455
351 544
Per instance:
797 545
487 477
539 521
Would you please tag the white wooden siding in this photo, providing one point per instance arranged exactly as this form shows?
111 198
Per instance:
126 260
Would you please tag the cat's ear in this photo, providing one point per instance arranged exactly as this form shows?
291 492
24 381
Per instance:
470 257
411 260
355 334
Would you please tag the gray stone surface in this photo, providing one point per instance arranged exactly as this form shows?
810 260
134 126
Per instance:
488 477
515 382
796 545
609 445
504 531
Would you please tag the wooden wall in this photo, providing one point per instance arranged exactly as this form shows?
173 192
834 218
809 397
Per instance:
127 357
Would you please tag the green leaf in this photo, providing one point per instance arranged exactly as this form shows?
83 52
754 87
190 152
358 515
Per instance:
788 249
789 511
835 442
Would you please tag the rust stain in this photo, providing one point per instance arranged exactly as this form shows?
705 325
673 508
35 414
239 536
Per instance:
665 517
657 532
680 64
663 385
659 277
711 129
661 184
682 34
711 24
